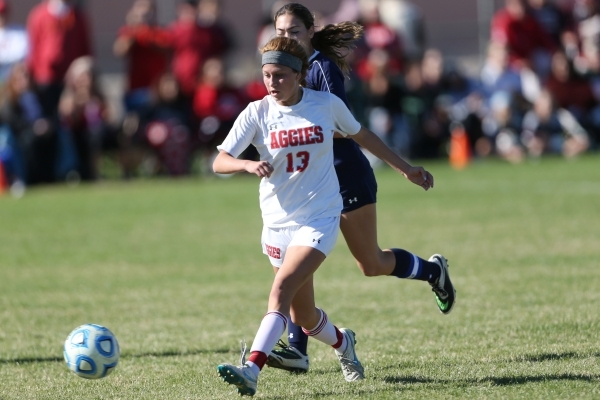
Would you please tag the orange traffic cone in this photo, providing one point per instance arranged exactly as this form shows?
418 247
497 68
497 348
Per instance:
3 179
460 149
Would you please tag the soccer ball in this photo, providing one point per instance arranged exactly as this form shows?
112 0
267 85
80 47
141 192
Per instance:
91 351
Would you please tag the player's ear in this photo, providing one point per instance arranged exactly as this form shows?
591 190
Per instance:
311 32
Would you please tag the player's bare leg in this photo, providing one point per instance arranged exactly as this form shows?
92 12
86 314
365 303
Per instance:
359 228
302 311
297 269
315 322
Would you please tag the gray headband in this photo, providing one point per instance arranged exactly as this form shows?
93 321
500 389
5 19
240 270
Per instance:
282 58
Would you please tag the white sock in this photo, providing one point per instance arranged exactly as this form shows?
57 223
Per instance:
253 367
271 328
342 348
324 331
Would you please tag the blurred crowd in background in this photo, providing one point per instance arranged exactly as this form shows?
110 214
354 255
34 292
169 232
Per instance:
535 93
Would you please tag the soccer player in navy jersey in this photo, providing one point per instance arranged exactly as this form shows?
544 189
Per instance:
326 49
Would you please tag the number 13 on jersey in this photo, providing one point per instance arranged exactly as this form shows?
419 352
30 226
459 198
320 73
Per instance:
297 162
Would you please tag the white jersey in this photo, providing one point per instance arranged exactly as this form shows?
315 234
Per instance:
298 142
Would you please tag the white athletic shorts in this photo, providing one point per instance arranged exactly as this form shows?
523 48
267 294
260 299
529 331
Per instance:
320 234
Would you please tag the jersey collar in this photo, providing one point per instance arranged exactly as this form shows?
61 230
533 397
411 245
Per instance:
313 56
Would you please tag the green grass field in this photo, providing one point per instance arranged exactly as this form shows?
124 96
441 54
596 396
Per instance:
174 269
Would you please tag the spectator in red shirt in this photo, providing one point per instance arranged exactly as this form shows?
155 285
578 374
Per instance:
216 104
527 43
191 46
377 35
145 46
58 34
209 17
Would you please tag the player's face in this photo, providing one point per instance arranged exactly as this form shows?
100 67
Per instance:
283 83
290 26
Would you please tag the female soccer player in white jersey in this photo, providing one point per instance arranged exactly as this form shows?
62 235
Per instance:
326 49
292 129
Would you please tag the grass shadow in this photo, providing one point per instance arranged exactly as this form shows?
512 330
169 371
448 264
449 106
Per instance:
505 380
363 393
27 360
158 354
569 355
498 381
519 380
538 358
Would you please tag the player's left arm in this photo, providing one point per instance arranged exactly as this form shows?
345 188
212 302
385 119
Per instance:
346 124
370 141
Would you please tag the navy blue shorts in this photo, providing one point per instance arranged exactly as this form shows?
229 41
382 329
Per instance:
358 186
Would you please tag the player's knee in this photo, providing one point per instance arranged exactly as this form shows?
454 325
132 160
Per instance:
299 320
305 318
279 297
276 289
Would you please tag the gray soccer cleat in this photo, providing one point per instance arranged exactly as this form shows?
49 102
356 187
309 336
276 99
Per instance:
351 367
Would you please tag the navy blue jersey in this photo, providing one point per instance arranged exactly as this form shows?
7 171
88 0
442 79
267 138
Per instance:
358 186
324 75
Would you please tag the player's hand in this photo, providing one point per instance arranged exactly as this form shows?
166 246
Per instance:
262 169
420 177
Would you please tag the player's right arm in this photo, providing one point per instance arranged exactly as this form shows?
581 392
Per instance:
245 127
225 163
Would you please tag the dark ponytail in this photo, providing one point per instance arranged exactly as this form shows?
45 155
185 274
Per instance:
334 40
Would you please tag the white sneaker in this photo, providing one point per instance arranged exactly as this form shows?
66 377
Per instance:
351 367
288 358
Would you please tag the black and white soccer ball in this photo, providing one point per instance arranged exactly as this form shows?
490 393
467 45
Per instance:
91 351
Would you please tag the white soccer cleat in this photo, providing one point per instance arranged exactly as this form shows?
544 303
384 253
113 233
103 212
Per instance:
288 358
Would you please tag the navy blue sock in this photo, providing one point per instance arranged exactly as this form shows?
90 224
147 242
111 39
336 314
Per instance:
297 338
409 266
